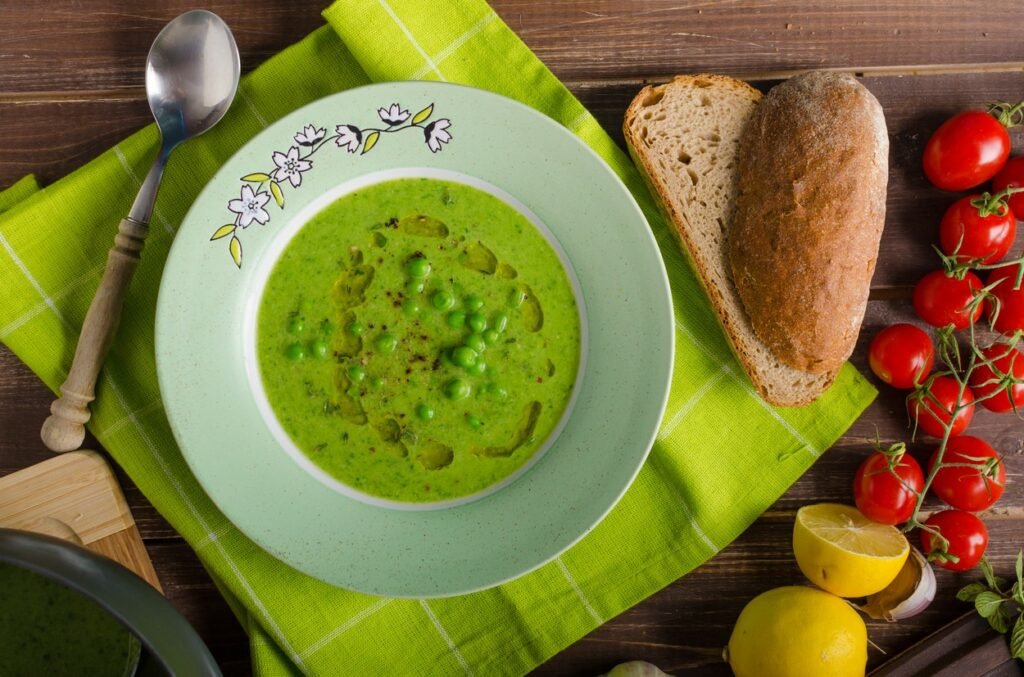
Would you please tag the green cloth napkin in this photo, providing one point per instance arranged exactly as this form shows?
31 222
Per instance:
721 458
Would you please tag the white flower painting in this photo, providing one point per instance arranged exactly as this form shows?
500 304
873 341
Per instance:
310 135
393 115
436 134
289 166
250 207
348 137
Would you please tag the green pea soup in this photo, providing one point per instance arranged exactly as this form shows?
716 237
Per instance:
418 341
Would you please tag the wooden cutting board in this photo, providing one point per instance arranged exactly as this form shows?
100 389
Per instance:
75 496
967 646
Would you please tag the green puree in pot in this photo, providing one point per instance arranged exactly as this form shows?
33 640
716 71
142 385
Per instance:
49 630
418 340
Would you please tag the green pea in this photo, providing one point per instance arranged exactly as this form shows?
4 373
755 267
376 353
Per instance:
424 412
295 351
296 325
327 327
377 382
318 348
476 342
410 307
456 389
386 343
477 369
355 328
499 392
443 300
474 422
476 322
356 373
500 321
415 287
456 319
464 357
490 337
418 267
474 302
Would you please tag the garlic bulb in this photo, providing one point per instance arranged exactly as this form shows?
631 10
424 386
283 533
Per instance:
636 669
909 594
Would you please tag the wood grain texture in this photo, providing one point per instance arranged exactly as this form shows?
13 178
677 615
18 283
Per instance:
71 86
100 45
76 497
966 644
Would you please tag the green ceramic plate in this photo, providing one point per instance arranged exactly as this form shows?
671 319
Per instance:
206 320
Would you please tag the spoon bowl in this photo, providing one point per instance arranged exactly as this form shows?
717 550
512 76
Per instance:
191 75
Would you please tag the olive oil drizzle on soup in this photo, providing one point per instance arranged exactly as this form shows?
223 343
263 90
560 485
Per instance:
418 340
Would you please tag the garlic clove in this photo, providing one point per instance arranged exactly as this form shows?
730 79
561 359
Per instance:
909 594
636 669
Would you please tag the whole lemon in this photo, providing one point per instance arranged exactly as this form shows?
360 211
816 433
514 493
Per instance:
798 632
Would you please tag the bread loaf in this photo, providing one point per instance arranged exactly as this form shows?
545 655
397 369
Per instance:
684 137
813 167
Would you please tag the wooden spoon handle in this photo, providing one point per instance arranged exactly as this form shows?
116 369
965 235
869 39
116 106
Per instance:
64 430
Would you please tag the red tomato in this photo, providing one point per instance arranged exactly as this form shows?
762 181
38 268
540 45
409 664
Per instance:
932 418
1011 301
966 534
1008 361
988 237
1012 174
966 151
886 494
941 299
901 355
969 488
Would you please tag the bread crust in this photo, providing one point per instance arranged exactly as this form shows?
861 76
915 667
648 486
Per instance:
813 169
778 396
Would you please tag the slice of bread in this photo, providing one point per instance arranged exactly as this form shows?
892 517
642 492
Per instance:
685 138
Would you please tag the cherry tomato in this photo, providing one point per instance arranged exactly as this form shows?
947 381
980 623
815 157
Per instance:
988 237
1011 301
887 495
932 418
941 299
966 534
966 151
901 355
1012 174
1008 361
969 489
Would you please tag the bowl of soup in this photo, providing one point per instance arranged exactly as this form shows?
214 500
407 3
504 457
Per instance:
414 339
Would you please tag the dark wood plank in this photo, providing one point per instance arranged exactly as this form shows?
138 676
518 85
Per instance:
188 586
59 46
62 47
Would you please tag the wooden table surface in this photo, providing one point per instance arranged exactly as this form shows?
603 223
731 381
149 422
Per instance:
71 85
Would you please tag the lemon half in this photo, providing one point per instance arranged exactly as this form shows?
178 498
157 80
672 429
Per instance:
842 551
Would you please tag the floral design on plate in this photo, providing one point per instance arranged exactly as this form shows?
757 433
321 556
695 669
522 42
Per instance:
259 187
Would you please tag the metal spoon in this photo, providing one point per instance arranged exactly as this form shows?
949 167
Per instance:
191 77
